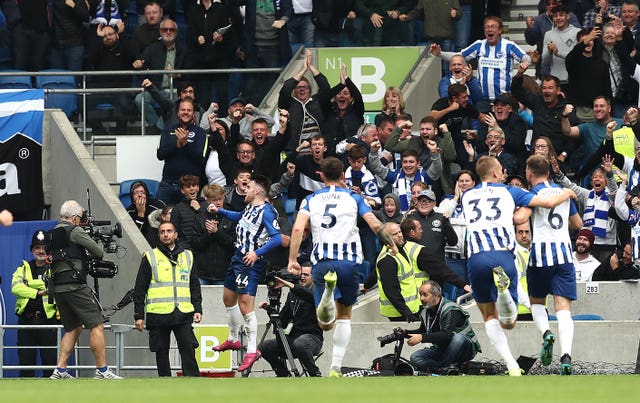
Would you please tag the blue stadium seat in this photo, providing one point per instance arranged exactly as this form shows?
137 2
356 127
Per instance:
15 82
587 316
125 187
68 103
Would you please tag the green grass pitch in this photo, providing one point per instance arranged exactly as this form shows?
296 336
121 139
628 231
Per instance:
551 388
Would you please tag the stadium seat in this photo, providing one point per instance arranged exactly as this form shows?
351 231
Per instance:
68 103
587 316
18 82
125 187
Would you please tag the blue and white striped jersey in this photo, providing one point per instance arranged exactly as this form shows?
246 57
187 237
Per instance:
333 212
488 209
495 64
551 243
257 225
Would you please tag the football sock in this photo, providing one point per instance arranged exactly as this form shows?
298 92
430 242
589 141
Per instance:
540 317
565 331
507 309
326 310
341 337
102 369
251 324
235 320
499 341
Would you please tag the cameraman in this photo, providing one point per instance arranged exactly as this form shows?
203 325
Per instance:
446 326
72 295
298 317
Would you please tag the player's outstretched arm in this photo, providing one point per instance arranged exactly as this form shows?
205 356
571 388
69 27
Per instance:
377 227
575 222
552 201
521 215
294 244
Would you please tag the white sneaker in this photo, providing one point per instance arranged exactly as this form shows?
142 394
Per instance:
61 375
105 375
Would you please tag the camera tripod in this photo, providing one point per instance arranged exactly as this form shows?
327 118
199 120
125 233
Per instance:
273 310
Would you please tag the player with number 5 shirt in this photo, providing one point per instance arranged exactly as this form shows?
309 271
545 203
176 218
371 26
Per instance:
332 213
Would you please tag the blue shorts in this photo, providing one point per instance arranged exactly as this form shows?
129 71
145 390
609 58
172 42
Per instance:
242 278
555 280
347 288
480 268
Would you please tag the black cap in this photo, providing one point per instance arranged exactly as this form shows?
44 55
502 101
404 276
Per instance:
508 99
238 99
39 238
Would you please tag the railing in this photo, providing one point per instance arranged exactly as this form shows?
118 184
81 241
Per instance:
84 91
119 348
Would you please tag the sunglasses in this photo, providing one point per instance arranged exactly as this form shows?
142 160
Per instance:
168 29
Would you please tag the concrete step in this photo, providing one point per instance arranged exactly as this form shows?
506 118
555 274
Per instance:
516 25
525 3
520 13
102 150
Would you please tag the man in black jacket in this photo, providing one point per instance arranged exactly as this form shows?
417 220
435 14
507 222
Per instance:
213 244
184 214
305 111
305 336
166 271
547 109
165 54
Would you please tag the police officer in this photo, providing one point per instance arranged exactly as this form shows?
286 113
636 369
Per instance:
69 246
171 288
33 309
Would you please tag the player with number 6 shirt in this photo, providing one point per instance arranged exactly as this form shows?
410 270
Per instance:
490 211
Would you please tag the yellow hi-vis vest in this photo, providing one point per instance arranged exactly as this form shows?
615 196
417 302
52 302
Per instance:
522 260
406 278
169 286
25 287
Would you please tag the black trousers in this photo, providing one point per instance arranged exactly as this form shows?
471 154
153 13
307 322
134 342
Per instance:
304 348
159 343
37 337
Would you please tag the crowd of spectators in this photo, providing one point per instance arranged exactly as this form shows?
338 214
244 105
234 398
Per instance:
581 101
108 35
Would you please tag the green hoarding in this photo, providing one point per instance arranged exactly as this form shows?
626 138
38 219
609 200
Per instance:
372 70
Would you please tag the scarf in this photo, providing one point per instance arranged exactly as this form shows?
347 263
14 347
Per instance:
596 213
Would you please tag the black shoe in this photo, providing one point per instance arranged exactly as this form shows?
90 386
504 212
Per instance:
565 365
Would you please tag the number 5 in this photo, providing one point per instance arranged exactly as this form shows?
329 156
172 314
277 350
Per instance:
332 218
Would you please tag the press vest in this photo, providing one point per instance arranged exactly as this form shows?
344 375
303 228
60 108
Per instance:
522 260
20 290
407 270
169 286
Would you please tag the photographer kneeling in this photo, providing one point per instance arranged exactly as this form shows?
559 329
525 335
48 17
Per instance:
298 317
446 326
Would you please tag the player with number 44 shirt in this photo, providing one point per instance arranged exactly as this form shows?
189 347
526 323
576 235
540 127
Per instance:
257 233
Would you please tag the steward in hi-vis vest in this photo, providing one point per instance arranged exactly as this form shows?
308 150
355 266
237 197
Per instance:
169 290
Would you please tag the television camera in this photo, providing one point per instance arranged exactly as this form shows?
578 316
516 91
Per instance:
274 295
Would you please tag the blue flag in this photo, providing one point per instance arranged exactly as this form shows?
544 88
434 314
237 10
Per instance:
21 116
